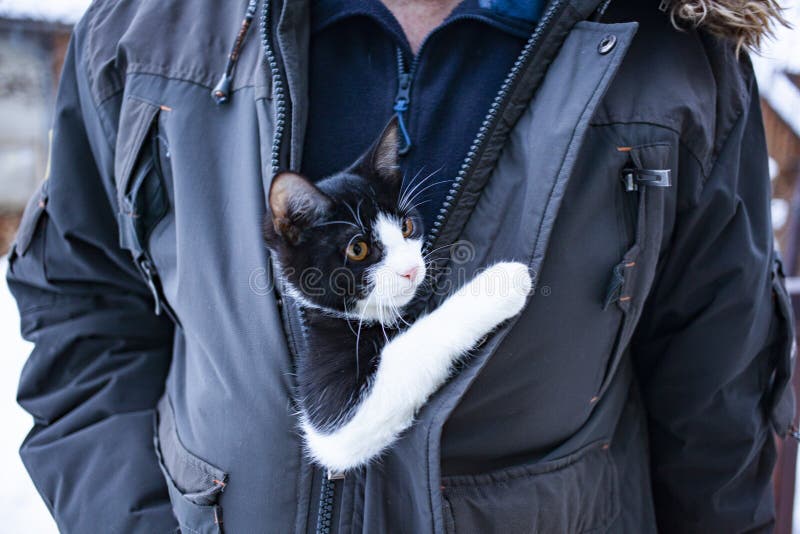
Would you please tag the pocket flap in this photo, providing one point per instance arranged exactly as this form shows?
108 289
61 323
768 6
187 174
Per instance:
30 219
136 120
578 493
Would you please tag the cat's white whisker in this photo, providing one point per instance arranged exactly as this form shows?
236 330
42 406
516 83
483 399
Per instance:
328 223
358 213
383 325
399 315
417 205
358 335
405 196
421 191
347 316
411 185
353 213
405 207
437 249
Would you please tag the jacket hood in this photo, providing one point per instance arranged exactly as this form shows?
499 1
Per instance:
746 22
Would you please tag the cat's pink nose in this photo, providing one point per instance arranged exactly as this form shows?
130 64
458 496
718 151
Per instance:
410 273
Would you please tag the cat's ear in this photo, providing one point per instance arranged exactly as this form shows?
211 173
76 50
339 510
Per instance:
383 159
296 204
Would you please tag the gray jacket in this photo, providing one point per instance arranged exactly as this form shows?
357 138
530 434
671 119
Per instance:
623 160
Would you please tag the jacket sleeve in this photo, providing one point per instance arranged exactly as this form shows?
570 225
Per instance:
101 354
710 346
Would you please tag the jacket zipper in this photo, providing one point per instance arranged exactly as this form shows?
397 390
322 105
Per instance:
278 93
329 480
325 512
327 499
465 172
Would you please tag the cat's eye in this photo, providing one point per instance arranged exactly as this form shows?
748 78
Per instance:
357 251
408 227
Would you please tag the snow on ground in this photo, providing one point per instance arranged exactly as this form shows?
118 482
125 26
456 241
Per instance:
67 11
23 510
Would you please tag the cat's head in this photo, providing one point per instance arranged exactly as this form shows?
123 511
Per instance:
350 243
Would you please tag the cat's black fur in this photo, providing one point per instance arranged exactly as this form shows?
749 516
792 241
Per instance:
330 379
308 231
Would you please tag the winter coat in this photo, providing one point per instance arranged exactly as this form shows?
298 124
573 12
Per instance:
624 161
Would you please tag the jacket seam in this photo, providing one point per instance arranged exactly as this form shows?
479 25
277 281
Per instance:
430 487
144 72
34 308
106 134
179 79
173 72
523 471
108 97
683 143
114 86
117 84
90 21
84 64
728 136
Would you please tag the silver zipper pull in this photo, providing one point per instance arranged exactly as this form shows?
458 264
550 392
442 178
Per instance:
664 5
335 475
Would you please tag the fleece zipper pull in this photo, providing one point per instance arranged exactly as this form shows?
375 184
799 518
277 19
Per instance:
402 100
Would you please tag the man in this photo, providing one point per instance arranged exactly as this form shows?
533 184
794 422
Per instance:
617 149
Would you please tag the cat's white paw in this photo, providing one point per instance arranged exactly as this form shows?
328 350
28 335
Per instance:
503 289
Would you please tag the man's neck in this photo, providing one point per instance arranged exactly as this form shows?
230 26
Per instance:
419 17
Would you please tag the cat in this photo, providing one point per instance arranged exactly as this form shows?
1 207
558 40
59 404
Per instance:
349 249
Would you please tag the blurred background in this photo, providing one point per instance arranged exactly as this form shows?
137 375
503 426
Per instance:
33 39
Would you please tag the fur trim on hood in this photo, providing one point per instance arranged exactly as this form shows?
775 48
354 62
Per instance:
746 22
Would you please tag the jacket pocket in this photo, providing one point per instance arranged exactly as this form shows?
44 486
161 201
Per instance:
194 485
575 494
644 180
139 173
141 167
780 397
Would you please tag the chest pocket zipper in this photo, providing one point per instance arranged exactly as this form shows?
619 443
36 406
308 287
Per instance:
141 193
643 180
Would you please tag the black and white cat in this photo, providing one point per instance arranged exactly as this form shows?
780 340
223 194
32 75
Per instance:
349 249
